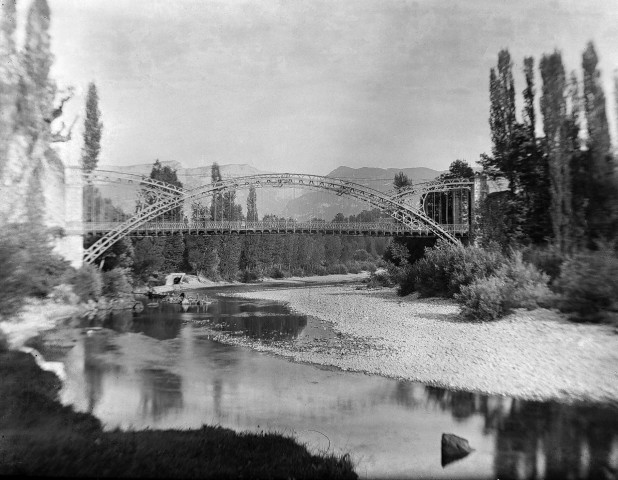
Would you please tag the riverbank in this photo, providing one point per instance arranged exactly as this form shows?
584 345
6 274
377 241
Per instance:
42 437
194 283
530 355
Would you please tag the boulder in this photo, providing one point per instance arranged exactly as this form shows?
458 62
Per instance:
454 448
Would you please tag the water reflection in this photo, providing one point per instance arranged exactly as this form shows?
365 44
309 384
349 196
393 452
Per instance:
160 370
160 393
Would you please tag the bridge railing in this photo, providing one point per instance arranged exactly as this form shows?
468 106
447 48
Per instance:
382 226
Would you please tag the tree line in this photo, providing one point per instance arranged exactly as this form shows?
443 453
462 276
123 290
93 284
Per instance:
561 185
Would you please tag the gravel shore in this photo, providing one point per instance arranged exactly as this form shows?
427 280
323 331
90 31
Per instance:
532 355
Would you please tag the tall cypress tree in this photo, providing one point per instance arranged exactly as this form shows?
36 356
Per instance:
92 130
554 111
502 121
602 211
596 116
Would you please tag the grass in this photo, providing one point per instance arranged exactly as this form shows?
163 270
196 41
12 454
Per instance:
39 436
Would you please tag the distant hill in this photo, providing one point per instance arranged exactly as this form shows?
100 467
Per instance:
301 204
326 206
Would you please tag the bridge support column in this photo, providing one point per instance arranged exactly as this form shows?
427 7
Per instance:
71 246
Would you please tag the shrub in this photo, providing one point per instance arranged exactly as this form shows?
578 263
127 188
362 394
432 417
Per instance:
515 285
353 267
337 269
320 270
276 272
361 255
588 285
446 268
379 278
64 293
248 275
29 266
117 281
546 259
87 282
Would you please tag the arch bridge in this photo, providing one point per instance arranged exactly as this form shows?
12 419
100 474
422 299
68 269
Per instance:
409 209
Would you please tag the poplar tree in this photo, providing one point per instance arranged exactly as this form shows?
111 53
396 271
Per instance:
252 212
554 111
92 130
596 116
602 213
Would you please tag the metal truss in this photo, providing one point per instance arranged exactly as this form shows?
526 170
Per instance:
408 215
151 190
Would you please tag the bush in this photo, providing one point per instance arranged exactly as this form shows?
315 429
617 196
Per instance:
29 266
353 267
117 281
87 282
248 275
361 255
379 278
515 285
320 270
64 294
588 285
367 266
276 272
446 268
546 259
337 269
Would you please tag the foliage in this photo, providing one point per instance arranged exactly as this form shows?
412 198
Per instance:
173 253
588 284
515 284
117 282
401 180
92 130
446 268
148 256
458 169
547 259
29 266
380 278
168 175
87 282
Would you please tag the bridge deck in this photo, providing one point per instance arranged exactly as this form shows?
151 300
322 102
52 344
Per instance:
252 228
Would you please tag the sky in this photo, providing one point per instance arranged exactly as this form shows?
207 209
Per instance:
309 85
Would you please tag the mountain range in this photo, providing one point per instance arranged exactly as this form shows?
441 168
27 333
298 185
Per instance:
296 203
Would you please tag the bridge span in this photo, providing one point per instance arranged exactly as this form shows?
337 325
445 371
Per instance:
380 228
412 212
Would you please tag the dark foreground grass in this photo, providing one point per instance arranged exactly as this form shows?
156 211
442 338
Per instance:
39 436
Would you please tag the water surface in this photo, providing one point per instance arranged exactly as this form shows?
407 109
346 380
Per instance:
162 369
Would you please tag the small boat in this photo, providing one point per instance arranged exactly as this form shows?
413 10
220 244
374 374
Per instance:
153 305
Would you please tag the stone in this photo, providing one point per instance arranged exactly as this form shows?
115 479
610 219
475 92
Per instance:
454 448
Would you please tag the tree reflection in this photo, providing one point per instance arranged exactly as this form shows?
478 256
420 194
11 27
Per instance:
160 393
549 440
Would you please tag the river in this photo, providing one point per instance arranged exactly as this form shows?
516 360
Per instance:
162 369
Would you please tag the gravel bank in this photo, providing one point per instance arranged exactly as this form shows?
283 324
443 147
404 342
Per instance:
533 355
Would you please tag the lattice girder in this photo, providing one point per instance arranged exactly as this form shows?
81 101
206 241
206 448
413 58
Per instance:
406 214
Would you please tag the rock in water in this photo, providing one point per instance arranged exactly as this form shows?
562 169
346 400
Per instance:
454 448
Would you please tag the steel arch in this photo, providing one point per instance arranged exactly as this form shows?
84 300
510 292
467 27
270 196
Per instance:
409 216
152 186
